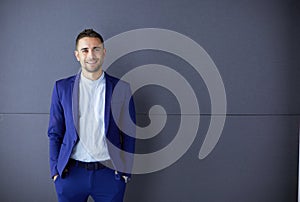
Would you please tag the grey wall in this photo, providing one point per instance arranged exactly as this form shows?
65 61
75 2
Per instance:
255 45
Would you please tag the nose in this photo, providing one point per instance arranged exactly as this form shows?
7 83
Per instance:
90 54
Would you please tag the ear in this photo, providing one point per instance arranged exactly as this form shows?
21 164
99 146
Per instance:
104 52
76 53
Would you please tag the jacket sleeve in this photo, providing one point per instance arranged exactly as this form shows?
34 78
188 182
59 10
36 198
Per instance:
56 129
128 125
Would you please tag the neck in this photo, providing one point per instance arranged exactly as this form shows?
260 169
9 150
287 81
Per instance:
92 75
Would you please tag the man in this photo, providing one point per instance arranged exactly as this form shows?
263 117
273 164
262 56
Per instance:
89 153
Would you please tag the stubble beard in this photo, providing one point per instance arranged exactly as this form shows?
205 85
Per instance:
92 70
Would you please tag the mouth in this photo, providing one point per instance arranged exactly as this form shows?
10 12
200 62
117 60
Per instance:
91 62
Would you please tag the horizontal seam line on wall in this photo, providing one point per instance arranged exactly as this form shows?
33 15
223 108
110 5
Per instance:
203 114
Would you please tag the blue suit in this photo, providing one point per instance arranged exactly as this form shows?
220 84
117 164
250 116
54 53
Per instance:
63 124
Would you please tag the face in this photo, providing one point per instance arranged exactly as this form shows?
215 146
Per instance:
90 53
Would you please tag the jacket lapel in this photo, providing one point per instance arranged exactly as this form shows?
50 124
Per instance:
108 94
75 100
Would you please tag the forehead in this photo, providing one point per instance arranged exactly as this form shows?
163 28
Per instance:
86 42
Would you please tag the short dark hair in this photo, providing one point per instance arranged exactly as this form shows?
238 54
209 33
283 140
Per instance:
89 33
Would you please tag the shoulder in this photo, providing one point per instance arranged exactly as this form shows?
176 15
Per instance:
121 89
115 80
66 81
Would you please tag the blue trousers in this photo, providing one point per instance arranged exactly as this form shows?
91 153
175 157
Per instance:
80 183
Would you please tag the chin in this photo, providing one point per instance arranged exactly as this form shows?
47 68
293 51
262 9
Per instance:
92 70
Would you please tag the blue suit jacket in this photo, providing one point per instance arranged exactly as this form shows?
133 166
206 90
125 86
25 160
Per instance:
63 123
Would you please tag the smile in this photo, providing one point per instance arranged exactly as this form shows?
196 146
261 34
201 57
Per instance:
91 62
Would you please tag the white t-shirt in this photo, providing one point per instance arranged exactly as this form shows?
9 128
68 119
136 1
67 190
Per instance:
92 145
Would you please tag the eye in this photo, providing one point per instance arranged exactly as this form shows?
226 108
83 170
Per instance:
84 51
97 49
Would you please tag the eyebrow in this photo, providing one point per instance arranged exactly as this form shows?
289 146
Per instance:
88 48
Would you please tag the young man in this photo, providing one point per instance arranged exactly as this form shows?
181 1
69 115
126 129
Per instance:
88 150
